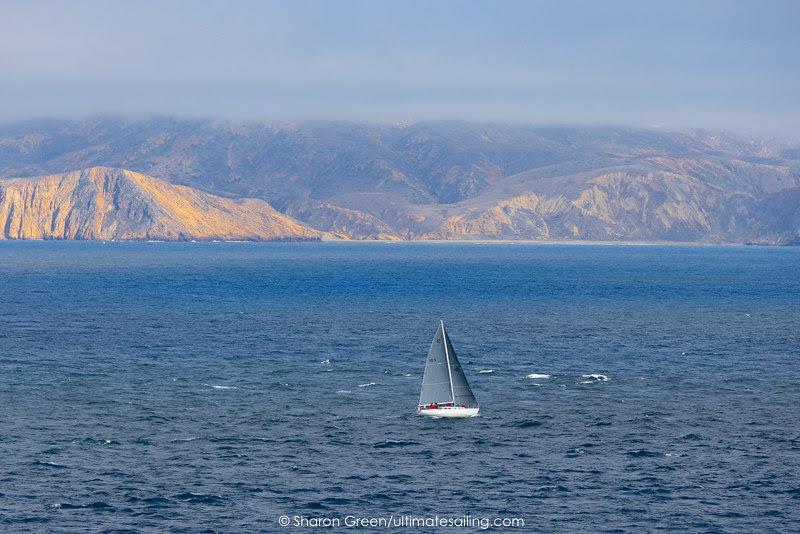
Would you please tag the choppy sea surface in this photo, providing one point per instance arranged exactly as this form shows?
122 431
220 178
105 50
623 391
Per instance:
155 386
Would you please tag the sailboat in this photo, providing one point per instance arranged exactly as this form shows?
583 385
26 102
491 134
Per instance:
445 390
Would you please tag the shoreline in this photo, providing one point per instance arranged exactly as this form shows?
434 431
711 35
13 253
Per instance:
521 242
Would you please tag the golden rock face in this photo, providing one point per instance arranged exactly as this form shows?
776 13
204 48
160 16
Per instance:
614 206
104 203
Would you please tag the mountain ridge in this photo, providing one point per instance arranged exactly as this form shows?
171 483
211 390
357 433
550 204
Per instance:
446 180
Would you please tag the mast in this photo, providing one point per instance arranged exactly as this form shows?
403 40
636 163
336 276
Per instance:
449 371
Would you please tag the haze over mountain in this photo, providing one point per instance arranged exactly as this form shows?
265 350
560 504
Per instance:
446 180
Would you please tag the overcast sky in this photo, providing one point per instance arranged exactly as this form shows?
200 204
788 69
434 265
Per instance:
729 64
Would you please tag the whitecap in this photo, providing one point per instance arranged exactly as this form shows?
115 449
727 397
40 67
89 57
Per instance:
49 464
344 392
326 361
183 440
593 377
367 385
538 376
485 371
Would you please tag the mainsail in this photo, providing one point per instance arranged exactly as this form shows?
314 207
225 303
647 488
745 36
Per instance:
444 380
462 394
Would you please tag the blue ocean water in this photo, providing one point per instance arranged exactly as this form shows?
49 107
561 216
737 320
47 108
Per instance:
191 386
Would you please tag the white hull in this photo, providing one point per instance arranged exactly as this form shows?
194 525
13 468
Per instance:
455 412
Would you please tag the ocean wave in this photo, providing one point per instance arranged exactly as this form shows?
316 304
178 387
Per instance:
213 386
204 498
538 376
97 441
593 377
155 502
49 464
337 501
642 453
317 506
96 505
183 440
391 443
526 423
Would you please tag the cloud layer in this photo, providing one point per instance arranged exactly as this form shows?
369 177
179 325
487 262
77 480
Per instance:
717 64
